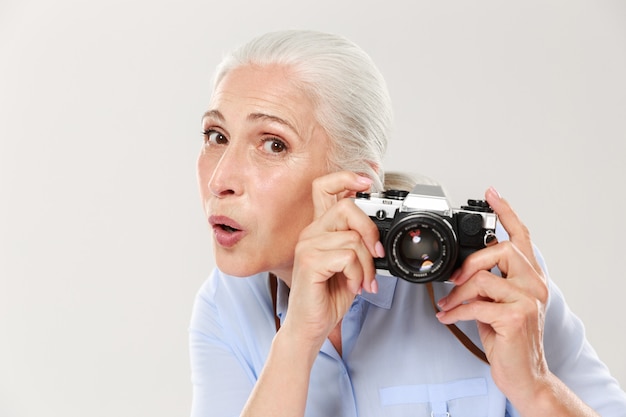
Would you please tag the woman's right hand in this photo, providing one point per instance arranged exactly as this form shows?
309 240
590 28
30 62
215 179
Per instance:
333 259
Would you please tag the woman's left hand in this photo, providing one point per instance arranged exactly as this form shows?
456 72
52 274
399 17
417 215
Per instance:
509 312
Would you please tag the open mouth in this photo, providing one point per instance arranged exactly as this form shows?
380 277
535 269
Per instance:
227 228
227 231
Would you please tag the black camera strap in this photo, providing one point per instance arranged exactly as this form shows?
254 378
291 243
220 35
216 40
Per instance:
466 341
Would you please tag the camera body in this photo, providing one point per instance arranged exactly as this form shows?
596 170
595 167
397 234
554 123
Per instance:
424 238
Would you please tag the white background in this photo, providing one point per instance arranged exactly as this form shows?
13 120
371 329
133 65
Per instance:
102 240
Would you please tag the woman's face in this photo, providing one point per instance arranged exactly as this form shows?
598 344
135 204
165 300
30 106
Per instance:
262 150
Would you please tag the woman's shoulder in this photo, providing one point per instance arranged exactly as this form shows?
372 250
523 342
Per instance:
232 324
228 302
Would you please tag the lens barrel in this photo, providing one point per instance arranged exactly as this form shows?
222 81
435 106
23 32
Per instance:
422 247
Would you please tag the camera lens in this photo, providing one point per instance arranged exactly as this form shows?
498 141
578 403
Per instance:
419 249
422 247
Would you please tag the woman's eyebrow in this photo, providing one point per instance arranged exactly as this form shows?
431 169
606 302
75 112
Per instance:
264 116
214 114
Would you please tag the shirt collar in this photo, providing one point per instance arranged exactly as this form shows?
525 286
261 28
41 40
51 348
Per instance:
386 289
383 298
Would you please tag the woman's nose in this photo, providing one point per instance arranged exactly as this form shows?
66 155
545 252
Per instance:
226 178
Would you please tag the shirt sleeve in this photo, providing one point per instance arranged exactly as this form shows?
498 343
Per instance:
221 384
571 358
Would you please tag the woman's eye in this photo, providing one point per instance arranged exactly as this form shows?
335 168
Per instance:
274 145
214 137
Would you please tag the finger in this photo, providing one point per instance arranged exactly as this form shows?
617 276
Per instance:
507 319
483 286
345 262
518 232
342 268
511 263
487 311
350 240
524 281
502 255
482 311
507 216
329 188
345 215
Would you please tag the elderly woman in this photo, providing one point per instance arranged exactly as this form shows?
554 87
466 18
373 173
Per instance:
294 321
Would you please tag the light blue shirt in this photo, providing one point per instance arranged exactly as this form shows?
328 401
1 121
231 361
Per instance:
398 359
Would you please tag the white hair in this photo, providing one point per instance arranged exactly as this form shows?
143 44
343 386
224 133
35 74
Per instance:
406 180
348 91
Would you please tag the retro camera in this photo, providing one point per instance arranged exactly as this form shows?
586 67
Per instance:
424 238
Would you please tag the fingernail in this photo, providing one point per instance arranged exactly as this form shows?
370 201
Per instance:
380 250
455 275
495 192
374 286
442 303
365 180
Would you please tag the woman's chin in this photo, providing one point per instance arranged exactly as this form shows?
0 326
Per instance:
235 270
237 267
